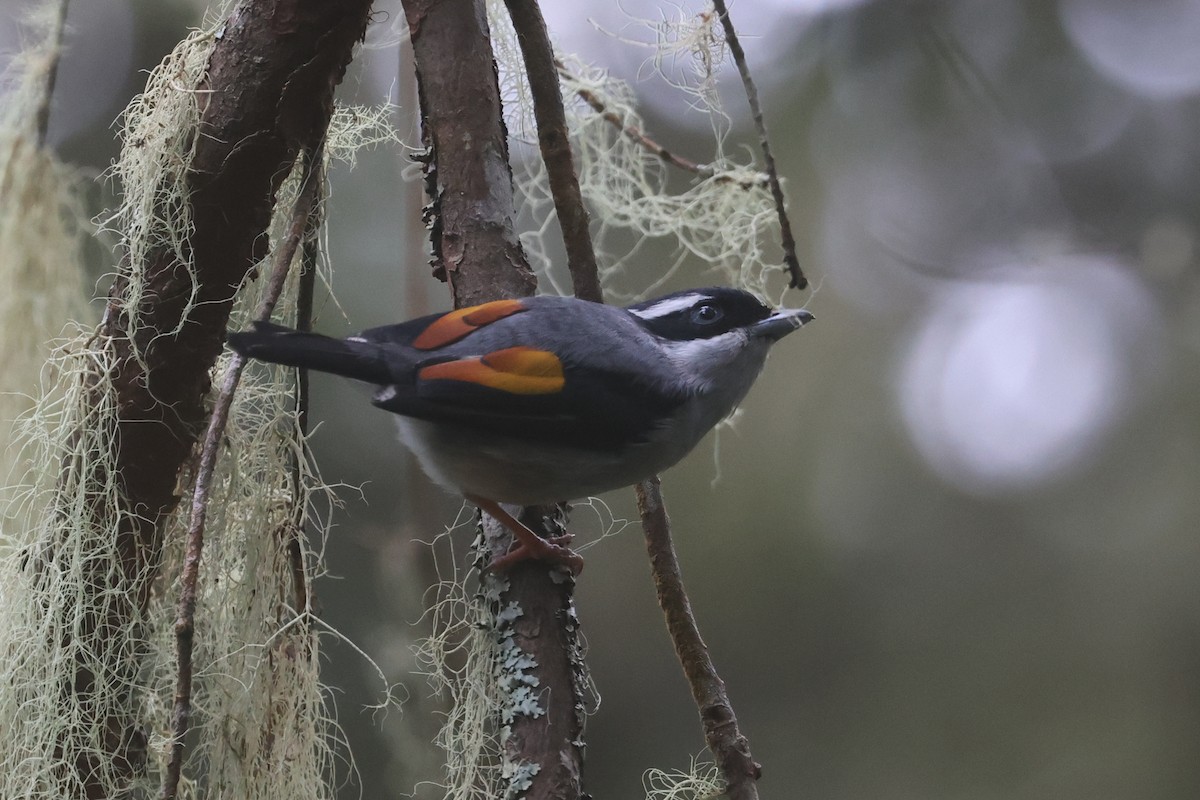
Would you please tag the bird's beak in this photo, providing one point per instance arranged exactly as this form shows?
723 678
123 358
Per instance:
781 323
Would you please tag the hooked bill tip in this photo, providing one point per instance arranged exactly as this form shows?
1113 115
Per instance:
782 322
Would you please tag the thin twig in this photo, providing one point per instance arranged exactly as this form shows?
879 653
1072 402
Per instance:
186 610
726 743
788 242
263 93
728 746
555 143
301 592
42 116
646 143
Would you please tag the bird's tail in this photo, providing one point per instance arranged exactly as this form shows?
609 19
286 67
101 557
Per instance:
361 361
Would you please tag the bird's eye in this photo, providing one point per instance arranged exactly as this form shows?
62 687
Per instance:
706 314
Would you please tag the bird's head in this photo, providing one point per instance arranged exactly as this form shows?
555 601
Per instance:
718 337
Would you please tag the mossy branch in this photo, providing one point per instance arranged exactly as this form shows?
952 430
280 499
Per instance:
306 203
268 93
474 242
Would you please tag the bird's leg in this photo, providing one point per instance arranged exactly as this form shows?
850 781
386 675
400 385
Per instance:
530 545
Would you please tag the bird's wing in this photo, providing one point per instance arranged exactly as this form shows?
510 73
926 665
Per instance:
529 393
435 331
463 368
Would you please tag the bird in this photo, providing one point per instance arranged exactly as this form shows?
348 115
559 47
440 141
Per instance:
546 399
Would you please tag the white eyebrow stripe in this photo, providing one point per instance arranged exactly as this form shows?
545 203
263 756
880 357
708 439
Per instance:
670 306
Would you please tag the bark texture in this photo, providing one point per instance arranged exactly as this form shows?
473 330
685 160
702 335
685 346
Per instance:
268 94
476 249
468 178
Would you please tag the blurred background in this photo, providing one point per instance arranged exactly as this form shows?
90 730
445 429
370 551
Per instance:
950 549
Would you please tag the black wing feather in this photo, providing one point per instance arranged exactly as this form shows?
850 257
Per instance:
364 361
596 411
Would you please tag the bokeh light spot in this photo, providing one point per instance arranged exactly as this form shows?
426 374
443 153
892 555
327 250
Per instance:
1009 384
1147 45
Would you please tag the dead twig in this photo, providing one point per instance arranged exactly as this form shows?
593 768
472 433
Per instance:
186 610
42 116
645 142
555 143
798 281
728 746
726 743
293 535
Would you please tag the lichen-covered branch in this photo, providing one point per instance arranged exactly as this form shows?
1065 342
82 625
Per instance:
268 93
475 243
555 143
540 669
210 449
798 281
725 741
664 153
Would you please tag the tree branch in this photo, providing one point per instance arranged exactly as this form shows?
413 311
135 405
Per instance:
189 580
268 92
554 141
727 744
42 115
785 227
471 214
730 749
468 176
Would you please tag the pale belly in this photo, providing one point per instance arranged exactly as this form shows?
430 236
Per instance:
467 462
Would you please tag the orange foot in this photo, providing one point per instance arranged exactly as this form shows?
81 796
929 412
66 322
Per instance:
530 545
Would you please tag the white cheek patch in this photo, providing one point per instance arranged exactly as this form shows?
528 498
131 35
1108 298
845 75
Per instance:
669 306
702 362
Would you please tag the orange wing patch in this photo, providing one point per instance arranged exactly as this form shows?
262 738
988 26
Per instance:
516 370
449 328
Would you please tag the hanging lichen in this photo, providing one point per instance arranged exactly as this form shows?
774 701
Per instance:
75 650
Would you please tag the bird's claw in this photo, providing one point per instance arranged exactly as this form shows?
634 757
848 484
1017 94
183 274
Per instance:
529 545
553 550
